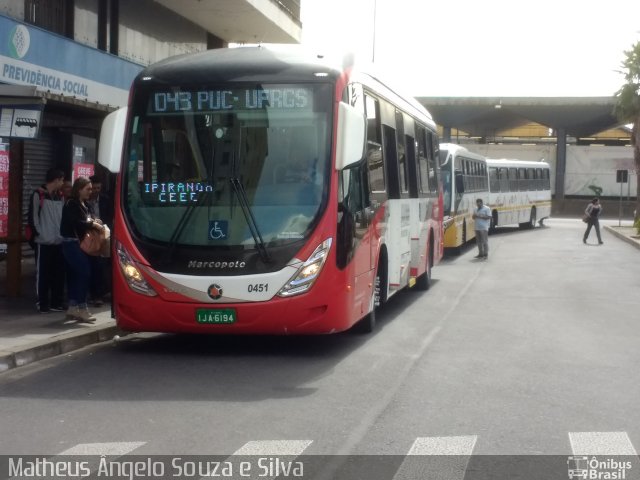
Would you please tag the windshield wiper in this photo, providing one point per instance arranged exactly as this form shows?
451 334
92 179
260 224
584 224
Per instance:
182 223
249 217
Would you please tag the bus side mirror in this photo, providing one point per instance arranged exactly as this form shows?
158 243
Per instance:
459 182
112 139
351 136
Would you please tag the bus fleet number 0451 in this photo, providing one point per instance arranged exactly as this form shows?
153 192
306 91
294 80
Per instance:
258 287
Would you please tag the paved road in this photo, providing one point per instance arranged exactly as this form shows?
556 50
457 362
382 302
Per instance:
534 351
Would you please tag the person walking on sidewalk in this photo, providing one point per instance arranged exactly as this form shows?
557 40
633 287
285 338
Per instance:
592 213
45 213
482 217
76 221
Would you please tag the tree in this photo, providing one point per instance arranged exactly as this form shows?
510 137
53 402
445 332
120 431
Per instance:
627 109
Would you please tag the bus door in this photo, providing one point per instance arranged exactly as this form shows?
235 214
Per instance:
355 237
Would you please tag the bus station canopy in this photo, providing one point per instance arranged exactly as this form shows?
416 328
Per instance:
487 116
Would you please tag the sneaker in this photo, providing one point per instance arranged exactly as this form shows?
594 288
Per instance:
72 313
83 316
478 256
43 310
57 308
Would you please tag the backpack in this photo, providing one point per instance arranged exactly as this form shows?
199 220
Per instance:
30 232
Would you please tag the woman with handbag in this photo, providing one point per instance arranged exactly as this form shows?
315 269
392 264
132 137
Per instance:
591 217
76 223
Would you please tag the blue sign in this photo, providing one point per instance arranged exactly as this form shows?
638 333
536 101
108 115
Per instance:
32 56
218 229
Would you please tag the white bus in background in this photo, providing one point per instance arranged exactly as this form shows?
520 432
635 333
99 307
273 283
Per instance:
519 192
464 179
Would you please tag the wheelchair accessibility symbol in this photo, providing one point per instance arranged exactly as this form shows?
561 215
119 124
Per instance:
218 229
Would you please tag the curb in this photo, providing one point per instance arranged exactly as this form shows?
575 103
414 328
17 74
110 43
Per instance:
58 345
621 236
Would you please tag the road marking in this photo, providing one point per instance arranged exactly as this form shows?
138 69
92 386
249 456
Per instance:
601 443
462 445
108 449
274 447
448 458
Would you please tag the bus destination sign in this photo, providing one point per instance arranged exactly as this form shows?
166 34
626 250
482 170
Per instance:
203 101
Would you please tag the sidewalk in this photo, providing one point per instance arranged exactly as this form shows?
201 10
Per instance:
27 336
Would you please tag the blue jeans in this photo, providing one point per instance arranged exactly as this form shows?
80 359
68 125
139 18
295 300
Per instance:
78 272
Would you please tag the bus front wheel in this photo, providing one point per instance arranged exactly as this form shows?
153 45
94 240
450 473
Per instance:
368 323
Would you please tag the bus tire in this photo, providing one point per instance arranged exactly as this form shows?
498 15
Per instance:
367 324
423 282
532 220
494 222
533 217
464 233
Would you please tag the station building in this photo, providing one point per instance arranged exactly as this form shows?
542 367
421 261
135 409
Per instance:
580 137
66 64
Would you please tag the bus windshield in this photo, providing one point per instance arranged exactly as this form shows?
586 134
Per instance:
230 166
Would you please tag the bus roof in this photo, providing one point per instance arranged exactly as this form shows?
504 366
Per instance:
243 64
456 150
507 162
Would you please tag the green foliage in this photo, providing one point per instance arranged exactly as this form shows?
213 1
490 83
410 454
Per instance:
627 107
636 225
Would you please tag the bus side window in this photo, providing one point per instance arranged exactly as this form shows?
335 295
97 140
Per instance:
547 180
504 179
375 160
391 161
522 176
513 179
423 165
401 153
432 161
412 166
494 181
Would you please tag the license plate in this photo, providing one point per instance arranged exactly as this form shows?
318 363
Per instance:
216 316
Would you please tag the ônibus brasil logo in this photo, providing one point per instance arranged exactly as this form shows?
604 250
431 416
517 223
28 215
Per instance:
592 468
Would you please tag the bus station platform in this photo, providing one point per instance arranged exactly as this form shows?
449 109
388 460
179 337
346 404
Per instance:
27 336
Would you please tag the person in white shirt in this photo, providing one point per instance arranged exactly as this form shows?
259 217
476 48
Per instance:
482 217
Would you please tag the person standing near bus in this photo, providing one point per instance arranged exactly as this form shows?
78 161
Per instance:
482 217
76 221
592 212
100 208
45 211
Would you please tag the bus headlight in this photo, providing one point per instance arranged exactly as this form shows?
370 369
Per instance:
132 274
308 273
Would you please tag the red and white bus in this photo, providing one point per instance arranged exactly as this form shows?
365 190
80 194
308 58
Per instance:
267 191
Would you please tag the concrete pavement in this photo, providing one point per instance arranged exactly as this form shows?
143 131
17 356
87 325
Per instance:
27 336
